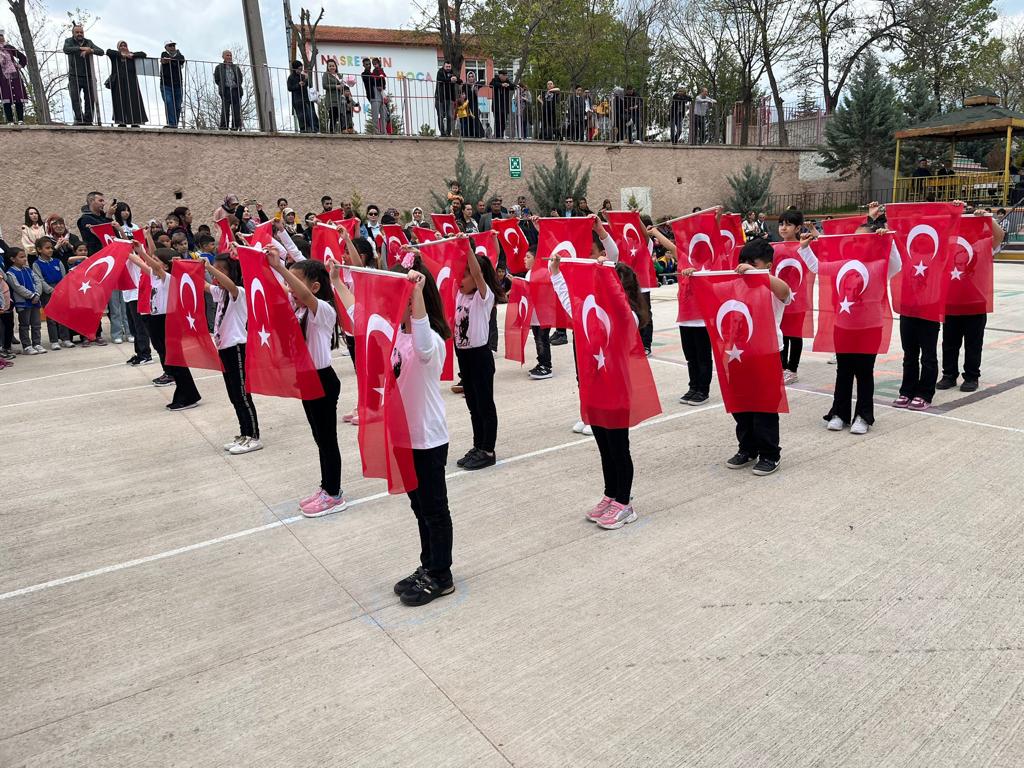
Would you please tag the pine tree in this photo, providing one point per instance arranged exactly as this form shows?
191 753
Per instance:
549 187
918 105
860 134
806 106
475 184
749 190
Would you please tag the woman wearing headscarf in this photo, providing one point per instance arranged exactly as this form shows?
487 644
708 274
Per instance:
12 87
123 82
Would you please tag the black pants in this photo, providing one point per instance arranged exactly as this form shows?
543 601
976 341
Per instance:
231 105
970 329
792 347
83 92
322 415
677 129
185 392
476 367
758 434
333 118
445 116
233 360
542 340
851 366
647 331
18 112
492 330
920 339
350 344
699 362
500 118
138 329
616 462
6 329
430 505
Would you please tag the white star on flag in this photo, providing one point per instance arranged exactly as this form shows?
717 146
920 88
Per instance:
191 322
84 288
920 268
844 305
600 358
264 335
955 274
380 391
734 354
632 251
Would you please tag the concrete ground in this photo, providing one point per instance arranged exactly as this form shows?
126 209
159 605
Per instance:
162 604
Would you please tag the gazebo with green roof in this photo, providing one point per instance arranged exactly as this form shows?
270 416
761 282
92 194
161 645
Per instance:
981 118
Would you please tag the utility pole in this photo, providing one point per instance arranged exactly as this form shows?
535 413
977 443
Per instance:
258 59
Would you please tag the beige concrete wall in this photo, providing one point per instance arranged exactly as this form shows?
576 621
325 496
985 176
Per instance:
53 169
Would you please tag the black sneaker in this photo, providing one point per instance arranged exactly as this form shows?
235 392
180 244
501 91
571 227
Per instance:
406 584
739 461
480 460
182 406
765 467
133 360
425 589
698 398
946 382
469 454
685 398
540 372
969 385
558 339
144 360
163 380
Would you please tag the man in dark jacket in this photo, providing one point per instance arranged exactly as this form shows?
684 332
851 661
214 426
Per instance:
373 90
81 81
501 100
172 65
446 88
577 114
228 77
678 109
96 211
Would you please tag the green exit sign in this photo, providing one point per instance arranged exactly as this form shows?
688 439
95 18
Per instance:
515 167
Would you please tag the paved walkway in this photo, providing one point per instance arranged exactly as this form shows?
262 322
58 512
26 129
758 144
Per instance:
161 604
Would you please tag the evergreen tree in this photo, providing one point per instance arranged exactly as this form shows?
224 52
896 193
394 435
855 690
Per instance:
749 190
860 134
550 186
475 184
806 106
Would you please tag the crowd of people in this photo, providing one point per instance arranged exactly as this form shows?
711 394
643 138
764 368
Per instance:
48 250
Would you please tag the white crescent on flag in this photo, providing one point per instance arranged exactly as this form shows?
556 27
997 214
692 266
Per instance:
448 229
566 246
398 244
108 262
377 324
734 305
590 305
726 233
699 237
789 262
524 307
442 275
853 266
508 239
965 244
480 251
257 291
186 280
924 229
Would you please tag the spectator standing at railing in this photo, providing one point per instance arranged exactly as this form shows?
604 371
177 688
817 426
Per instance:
701 111
334 98
374 93
550 102
577 115
471 126
12 87
501 101
172 66
618 109
228 77
303 104
634 109
524 113
81 78
125 94
678 112
446 88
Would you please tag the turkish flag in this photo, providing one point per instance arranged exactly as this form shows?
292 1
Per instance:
261 236
104 232
695 238
630 235
445 224
737 310
145 291
446 260
513 243
126 282
188 340
925 236
382 299
352 225
853 295
326 244
394 239
486 244
544 300
970 277
798 319
78 301
277 361
730 240
844 225
425 235
617 388
570 238
226 235
518 312
332 216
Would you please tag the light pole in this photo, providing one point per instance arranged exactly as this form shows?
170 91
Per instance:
258 59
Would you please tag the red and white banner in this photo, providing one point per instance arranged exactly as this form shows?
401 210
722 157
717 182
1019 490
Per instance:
971 274
445 224
695 239
630 235
518 312
331 217
79 300
189 343
798 319
394 238
446 260
326 245
570 238
486 244
513 243
730 240
104 233
844 225
261 236
544 300
425 234
226 235
925 236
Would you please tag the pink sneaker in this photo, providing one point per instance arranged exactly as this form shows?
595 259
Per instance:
599 511
617 516
919 404
354 421
324 504
347 418
308 499
901 402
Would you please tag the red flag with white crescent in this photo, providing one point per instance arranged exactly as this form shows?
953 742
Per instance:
630 235
424 234
925 236
189 343
445 224
844 225
79 300
261 236
853 293
446 260
570 238
544 300
798 319
737 310
326 245
971 273
486 244
617 388
517 320
226 235
381 300
350 224
277 360
127 282
332 216
513 243
695 239
394 238
730 240
104 232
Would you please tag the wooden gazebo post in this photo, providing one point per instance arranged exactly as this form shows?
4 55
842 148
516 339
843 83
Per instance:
896 173
1006 166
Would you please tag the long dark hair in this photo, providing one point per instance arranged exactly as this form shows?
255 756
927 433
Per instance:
431 298
316 272
120 208
365 250
490 277
28 221
631 287
233 269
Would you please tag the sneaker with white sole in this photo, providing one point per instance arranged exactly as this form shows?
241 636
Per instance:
587 430
578 427
835 424
765 467
599 510
55 346
29 351
617 516
117 340
68 344
324 504
308 499
859 427
540 372
247 445
40 349
832 360
789 377
236 441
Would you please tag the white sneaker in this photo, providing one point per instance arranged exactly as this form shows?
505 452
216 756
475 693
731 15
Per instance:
55 345
832 360
68 344
118 340
586 430
247 445
835 424
40 349
578 427
233 443
131 339
32 351
789 377
859 427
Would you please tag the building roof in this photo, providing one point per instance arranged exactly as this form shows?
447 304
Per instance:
372 35
980 120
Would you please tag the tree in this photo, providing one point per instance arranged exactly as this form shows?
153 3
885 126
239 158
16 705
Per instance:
303 40
806 106
475 184
37 91
918 106
860 134
749 189
549 187
447 18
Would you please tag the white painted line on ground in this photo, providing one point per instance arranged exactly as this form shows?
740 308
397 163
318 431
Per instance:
63 373
101 392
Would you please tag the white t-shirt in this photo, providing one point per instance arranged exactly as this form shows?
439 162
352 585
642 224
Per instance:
473 318
778 307
419 358
229 322
158 302
319 329
134 271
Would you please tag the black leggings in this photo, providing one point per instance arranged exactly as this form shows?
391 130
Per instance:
851 366
322 415
430 505
6 329
969 330
476 366
233 360
616 462
699 360
185 392
920 340
647 331
792 346
542 341
758 434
